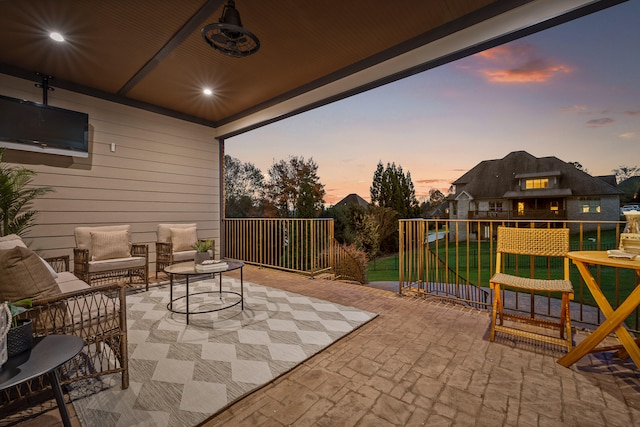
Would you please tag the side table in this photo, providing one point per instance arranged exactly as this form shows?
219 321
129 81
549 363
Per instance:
614 321
46 356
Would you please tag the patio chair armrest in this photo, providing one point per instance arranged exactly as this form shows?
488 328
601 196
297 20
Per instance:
140 249
81 262
58 263
164 253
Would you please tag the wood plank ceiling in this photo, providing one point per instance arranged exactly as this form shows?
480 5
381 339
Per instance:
151 53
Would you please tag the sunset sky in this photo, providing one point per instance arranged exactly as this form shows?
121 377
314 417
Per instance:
571 91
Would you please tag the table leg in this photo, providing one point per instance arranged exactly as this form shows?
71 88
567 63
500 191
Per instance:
170 291
613 322
187 297
57 391
241 290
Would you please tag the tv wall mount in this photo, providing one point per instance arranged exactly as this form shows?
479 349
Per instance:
44 85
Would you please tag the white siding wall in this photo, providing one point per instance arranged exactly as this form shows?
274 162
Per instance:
163 170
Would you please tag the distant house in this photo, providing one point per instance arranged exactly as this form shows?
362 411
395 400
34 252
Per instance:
439 212
631 189
353 199
521 186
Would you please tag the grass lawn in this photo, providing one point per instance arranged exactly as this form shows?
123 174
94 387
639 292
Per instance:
384 269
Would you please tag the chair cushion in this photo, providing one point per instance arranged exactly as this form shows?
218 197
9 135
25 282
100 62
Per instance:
23 275
68 282
117 264
532 284
184 256
164 231
183 239
109 245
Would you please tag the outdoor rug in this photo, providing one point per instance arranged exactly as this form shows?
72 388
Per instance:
181 374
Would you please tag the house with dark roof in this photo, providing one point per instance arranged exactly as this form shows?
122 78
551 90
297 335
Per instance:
521 186
353 199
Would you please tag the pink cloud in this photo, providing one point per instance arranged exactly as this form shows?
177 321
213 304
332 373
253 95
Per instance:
518 63
427 181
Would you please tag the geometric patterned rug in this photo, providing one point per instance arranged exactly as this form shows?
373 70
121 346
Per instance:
181 374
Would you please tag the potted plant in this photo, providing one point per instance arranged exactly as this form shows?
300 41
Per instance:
20 335
17 192
16 335
202 248
5 324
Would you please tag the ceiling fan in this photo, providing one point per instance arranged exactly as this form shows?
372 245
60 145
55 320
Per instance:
228 36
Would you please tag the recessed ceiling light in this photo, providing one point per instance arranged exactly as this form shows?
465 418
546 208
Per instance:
207 91
56 36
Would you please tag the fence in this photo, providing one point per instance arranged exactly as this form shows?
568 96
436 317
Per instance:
292 244
445 258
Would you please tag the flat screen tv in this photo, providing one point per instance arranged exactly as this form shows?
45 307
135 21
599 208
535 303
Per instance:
30 126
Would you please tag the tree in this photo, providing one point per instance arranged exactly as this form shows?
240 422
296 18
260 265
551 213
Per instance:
625 172
387 221
16 197
367 238
243 188
391 188
436 197
393 193
294 188
345 219
376 186
579 166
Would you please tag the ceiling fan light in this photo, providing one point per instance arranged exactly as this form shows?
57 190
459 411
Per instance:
228 36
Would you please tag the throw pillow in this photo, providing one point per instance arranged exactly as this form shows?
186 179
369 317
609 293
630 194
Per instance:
13 240
22 275
110 245
183 239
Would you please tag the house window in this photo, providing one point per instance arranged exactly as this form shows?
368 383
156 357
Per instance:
554 206
536 183
495 206
520 208
590 206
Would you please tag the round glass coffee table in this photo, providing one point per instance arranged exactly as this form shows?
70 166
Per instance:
188 269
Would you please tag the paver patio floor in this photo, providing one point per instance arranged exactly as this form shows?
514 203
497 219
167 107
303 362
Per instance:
426 362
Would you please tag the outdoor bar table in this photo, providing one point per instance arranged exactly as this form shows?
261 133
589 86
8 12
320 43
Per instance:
614 318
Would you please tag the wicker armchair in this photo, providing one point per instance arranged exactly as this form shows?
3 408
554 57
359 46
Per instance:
168 250
532 242
97 314
107 266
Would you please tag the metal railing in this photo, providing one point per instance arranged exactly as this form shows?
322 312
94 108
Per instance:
292 244
455 259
